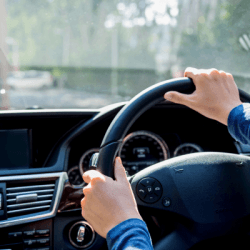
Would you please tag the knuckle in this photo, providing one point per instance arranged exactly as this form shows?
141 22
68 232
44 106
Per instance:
222 73
229 75
85 175
86 191
204 74
214 71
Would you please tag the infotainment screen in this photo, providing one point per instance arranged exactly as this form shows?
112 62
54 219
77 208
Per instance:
15 149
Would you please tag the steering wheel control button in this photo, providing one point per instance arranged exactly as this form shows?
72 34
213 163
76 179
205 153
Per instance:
147 181
81 234
166 202
151 198
157 189
149 190
142 192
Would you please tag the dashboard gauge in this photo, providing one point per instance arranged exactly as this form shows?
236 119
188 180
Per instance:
142 149
187 148
75 178
84 161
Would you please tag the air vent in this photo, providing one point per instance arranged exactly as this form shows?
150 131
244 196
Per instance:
26 199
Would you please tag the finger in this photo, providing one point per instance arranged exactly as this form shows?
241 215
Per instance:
222 73
90 175
83 202
120 174
177 97
190 72
86 190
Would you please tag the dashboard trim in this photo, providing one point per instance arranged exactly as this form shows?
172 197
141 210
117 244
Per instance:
62 176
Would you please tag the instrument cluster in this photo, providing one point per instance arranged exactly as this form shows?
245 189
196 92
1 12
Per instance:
138 150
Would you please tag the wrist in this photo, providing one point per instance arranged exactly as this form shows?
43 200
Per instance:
225 112
229 111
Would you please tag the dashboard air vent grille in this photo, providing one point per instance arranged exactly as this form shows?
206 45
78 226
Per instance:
26 199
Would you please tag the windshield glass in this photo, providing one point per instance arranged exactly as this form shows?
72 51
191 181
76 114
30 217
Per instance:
88 54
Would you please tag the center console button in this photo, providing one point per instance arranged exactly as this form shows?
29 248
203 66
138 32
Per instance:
42 231
43 241
15 235
29 242
29 233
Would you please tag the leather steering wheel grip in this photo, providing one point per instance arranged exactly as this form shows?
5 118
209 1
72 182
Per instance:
130 112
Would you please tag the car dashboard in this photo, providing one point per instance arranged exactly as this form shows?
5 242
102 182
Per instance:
40 201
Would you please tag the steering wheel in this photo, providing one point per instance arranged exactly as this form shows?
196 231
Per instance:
209 192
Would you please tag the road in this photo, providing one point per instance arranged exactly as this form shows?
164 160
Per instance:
60 98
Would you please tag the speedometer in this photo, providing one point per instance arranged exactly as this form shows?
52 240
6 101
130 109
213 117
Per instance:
142 149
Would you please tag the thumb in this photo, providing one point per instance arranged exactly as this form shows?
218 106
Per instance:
177 97
120 174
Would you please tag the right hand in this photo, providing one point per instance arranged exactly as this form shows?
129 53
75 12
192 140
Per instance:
215 96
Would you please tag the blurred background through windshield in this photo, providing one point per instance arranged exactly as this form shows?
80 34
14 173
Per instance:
88 54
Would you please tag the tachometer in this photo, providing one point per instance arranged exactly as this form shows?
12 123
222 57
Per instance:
84 161
75 177
187 148
142 149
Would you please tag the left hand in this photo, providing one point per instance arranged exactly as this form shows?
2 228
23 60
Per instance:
108 202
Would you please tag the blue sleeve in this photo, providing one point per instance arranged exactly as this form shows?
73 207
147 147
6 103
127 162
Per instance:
239 123
131 234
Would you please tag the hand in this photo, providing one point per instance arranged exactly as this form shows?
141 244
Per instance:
108 202
215 96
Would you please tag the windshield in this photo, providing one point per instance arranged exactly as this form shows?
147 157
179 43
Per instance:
88 54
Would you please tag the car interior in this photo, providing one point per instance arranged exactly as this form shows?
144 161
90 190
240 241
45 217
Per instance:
41 187
82 82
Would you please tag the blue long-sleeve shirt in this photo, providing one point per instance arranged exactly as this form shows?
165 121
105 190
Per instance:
132 234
